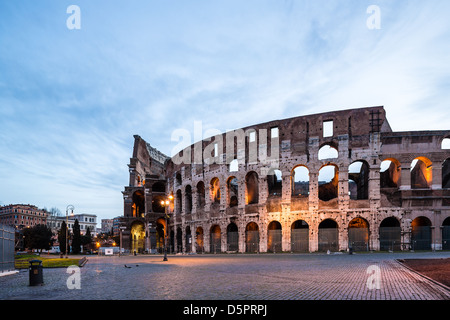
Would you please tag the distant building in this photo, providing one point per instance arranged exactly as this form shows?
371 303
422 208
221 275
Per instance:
107 225
116 225
22 215
85 220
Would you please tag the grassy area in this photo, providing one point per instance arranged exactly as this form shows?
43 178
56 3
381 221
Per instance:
22 261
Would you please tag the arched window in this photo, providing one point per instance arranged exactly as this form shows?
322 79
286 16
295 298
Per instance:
421 173
252 185
328 182
446 174
300 182
390 173
233 166
215 190
358 180
274 182
200 195
232 186
328 152
445 143
188 199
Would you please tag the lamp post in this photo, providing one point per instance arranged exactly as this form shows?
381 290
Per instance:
71 207
166 203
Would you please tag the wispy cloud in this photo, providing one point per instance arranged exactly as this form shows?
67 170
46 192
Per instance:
71 100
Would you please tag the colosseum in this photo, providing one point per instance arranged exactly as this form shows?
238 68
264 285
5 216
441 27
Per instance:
334 181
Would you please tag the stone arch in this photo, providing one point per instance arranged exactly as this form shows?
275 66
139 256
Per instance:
252 188
300 181
446 234
390 173
274 237
358 234
299 236
232 237
188 239
390 234
188 199
179 201
328 151
274 182
252 237
358 180
200 195
421 173
138 204
328 235
421 233
215 190
137 236
215 243
328 182
199 240
232 194
446 174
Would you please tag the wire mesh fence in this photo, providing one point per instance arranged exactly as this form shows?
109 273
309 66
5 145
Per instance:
6 248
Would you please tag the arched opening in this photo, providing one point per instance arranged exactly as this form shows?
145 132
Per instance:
199 240
188 239
159 236
138 205
274 237
446 174
137 235
232 186
188 200
252 237
274 182
158 187
179 244
390 173
421 173
445 144
232 237
390 234
215 239
328 182
358 234
421 233
446 234
299 236
300 182
328 151
233 166
215 190
200 195
156 204
179 201
328 235
178 178
251 183
358 180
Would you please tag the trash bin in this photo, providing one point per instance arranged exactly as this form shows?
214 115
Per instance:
35 272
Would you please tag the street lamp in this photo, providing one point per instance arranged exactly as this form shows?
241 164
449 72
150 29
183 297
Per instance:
166 203
71 207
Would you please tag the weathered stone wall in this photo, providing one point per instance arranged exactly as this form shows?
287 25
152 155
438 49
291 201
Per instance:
205 218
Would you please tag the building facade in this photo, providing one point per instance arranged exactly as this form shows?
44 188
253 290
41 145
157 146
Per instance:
332 181
22 215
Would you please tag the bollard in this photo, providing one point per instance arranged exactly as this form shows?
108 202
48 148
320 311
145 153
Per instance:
35 273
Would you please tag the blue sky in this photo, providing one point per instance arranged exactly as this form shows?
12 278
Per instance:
71 100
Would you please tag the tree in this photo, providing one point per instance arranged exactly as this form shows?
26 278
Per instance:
38 237
87 238
76 240
62 237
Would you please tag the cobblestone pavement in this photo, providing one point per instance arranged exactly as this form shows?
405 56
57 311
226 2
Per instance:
234 277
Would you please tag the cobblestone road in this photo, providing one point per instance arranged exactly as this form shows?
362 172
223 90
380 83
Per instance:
234 277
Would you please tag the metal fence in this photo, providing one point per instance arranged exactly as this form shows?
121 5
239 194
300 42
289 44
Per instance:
6 248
